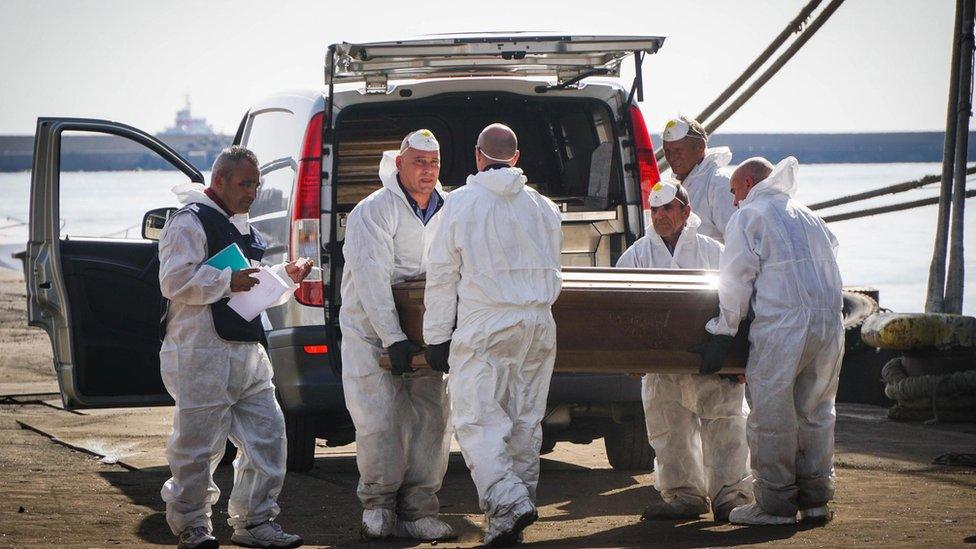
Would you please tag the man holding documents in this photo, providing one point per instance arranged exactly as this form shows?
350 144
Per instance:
212 361
402 440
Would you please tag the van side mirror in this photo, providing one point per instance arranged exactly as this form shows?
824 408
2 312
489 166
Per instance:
154 220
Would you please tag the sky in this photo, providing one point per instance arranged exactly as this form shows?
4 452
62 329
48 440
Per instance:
877 65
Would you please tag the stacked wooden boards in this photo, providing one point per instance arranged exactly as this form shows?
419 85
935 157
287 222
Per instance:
616 320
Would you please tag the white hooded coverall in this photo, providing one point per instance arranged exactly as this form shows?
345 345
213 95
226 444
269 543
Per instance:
495 262
222 389
708 190
402 438
781 258
695 423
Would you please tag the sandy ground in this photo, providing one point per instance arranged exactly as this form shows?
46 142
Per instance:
92 478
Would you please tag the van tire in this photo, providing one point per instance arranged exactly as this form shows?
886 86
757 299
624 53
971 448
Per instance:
300 432
627 446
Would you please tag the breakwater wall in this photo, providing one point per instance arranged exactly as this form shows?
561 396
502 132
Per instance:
95 153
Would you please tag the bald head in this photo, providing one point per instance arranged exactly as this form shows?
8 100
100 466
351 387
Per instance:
497 144
756 167
749 173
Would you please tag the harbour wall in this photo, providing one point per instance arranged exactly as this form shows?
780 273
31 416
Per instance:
109 153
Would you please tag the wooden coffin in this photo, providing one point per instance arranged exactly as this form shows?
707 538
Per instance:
615 320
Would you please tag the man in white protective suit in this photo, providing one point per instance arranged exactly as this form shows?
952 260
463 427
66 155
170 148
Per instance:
702 171
214 365
495 265
695 423
402 440
780 260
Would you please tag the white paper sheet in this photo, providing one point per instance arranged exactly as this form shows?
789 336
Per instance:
249 304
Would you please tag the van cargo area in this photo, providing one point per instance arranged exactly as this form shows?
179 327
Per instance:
567 147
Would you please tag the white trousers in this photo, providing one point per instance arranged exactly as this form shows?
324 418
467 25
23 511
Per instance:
793 370
697 427
501 366
222 393
402 439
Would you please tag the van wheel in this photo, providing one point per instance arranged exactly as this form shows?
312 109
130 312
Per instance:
627 447
300 432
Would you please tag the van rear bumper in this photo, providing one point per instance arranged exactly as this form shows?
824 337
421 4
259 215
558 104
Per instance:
569 388
306 382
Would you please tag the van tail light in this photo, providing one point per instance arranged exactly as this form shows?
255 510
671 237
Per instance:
306 205
644 148
316 349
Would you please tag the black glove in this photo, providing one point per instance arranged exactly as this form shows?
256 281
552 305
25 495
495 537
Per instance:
400 354
437 356
713 352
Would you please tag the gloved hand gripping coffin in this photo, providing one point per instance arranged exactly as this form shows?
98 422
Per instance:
616 320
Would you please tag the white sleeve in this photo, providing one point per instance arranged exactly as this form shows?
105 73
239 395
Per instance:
443 276
720 201
738 268
369 255
182 275
834 243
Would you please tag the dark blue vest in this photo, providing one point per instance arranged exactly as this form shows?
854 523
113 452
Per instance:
220 234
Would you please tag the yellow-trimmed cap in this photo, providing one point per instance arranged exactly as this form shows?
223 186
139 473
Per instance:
675 129
662 194
421 140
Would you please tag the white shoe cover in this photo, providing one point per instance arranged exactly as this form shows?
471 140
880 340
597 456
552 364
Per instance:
506 530
424 529
753 515
377 523
266 534
816 515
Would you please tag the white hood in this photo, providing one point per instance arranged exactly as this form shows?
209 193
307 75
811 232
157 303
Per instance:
782 180
501 181
718 157
192 193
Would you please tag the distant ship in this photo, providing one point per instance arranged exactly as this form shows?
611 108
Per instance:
185 124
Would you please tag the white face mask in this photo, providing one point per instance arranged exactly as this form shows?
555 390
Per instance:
675 129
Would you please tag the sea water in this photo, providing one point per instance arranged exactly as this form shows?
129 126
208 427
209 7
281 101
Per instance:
891 252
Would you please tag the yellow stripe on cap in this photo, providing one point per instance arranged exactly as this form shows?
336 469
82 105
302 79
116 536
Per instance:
662 194
421 140
675 129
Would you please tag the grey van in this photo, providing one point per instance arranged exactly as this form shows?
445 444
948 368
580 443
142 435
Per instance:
584 144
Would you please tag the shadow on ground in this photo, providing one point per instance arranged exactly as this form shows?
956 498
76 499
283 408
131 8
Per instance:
321 505
595 506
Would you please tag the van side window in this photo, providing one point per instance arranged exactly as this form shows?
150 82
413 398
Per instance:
275 137
108 182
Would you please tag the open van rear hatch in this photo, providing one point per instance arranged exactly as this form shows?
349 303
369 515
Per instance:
503 54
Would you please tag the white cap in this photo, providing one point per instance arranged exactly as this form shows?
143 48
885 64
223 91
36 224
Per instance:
675 129
678 128
421 140
662 194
